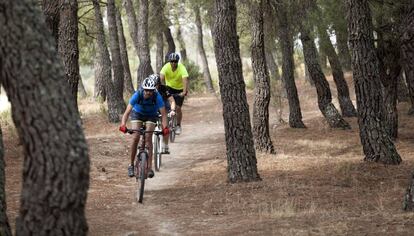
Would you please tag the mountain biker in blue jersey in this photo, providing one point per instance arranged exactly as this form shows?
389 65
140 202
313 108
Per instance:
143 109
170 105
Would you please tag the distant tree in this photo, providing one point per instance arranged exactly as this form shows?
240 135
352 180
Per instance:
132 23
286 42
56 163
157 23
261 134
170 40
241 156
144 68
51 11
270 36
105 62
82 91
5 229
128 86
116 63
407 51
200 46
180 9
376 142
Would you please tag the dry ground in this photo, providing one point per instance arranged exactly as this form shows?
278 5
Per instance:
316 184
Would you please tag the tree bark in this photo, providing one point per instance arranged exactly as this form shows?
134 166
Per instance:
286 42
328 110
128 86
56 162
408 203
402 89
407 51
160 52
132 23
105 62
376 142
170 42
345 103
5 229
241 156
82 91
68 44
160 20
144 68
51 12
183 50
117 66
200 45
261 134
342 45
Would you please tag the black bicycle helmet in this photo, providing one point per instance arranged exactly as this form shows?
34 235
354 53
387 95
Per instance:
173 57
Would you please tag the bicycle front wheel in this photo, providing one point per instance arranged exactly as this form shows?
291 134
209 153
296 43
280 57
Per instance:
142 176
173 124
157 152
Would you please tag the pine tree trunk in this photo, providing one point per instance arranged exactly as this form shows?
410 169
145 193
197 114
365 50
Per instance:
5 229
286 42
132 23
345 103
56 162
376 142
160 52
99 71
68 44
82 91
180 39
408 203
51 12
342 45
105 62
272 65
402 89
128 86
144 68
241 156
407 51
170 42
328 110
261 134
206 71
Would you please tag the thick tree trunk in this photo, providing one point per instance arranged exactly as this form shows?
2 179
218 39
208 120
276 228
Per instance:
345 103
132 23
241 156
56 163
68 44
159 57
128 86
206 71
261 134
105 62
328 110
170 41
5 229
307 74
376 142
286 42
407 51
144 68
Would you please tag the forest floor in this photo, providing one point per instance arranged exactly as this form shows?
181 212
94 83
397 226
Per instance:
316 183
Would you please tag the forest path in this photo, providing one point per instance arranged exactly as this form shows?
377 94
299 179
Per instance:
112 208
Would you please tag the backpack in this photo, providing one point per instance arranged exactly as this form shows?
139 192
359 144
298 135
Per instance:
141 97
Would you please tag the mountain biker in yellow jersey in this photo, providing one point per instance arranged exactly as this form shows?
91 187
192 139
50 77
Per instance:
175 76
169 103
143 108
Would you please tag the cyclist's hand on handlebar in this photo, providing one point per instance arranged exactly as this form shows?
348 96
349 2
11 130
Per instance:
172 113
165 131
123 128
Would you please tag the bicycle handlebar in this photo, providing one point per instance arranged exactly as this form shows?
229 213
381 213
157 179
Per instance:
142 131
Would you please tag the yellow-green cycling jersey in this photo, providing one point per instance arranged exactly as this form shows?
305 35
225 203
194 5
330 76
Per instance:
174 79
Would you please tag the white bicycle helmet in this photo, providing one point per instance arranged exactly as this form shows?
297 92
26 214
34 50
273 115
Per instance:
148 83
174 57
156 78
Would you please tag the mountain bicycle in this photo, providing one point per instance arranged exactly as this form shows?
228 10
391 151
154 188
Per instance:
172 124
141 160
156 144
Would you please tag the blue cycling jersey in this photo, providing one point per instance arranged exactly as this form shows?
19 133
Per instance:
147 107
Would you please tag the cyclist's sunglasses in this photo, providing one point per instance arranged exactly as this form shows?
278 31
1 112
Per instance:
149 90
174 61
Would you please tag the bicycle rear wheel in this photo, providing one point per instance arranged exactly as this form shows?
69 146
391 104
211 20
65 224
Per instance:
157 152
143 157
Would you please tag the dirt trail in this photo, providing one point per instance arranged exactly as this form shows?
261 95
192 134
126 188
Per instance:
112 208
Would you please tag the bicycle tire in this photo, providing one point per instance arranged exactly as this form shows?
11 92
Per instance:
142 176
173 124
157 153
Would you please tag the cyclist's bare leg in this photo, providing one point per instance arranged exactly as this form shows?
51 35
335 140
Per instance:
148 142
135 140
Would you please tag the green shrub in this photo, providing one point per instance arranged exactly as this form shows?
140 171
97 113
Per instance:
195 76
